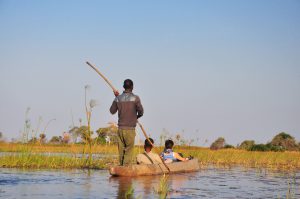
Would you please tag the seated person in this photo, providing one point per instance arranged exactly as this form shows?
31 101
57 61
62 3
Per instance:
169 156
148 157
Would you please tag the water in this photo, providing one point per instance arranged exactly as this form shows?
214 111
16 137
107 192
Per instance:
208 183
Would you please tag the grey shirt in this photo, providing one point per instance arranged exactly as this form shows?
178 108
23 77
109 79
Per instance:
129 108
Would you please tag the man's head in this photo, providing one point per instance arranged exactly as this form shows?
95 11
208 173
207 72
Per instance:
147 145
169 144
128 85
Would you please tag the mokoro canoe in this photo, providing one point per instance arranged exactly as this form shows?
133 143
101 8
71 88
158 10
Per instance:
154 169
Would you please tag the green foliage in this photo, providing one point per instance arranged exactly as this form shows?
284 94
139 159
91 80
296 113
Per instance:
33 140
29 160
85 134
56 140
247 144
110 131
265 147
284 136
218 144
75 133
129 192
228 146
100 140
285 141
163 187
42 138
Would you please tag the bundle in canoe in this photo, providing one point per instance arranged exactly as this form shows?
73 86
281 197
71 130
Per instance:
154 169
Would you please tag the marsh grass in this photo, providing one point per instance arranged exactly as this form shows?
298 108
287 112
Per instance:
129 192
57 148
234 157
163 188
44 156
291 187
218 158
37 161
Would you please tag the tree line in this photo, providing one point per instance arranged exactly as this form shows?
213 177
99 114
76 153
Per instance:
280 142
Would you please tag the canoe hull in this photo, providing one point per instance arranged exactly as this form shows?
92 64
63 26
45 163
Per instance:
155 169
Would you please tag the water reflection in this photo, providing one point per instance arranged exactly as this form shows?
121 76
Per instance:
208 183
146 186
123 184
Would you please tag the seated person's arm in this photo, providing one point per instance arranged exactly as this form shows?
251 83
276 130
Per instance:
178 157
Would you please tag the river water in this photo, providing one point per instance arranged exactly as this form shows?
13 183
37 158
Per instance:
207 183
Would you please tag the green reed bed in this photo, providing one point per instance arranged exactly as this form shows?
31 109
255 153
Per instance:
28 157
57 148
233 157
37 161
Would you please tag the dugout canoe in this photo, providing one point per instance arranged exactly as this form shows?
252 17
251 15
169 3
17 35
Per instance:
155 169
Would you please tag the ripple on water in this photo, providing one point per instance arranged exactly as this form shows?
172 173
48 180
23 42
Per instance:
209 183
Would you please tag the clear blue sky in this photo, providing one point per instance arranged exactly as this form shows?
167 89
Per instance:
201 68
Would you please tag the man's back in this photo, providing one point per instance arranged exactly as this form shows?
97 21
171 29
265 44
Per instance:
143 159
129 108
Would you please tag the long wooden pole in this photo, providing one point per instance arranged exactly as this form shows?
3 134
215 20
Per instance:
105 79
114 89
145 134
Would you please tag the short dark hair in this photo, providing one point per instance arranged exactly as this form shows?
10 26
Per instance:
169 144
147 143
128 84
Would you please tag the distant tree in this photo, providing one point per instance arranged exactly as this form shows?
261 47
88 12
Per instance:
285 141
259 147
75 133
247 144
218 144
265 147
85 134
66 138
56 140
228 146
33 140
110 131
1 135
191 141
42 138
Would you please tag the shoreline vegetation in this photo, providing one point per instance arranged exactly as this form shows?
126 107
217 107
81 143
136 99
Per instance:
73 156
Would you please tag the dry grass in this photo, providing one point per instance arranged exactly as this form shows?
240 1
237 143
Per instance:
289 160
28 157
55 148
52 162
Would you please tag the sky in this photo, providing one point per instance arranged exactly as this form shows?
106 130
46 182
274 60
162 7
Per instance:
203 69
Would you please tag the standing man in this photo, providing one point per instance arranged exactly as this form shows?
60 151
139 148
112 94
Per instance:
129 109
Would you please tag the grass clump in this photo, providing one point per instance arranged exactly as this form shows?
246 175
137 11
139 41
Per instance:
37 161
163 187
40 156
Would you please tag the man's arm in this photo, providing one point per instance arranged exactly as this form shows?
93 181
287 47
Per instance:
114 108
139 108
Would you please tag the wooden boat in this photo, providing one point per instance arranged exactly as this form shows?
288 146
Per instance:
155 169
